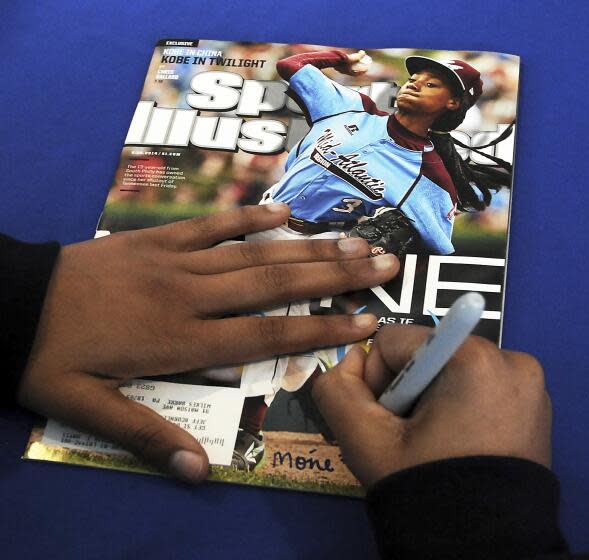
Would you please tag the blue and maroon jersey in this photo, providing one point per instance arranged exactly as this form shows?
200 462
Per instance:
357 159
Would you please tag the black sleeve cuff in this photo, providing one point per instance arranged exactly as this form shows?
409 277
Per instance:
25 271
470 507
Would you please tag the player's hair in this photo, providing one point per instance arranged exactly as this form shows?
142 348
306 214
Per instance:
466 174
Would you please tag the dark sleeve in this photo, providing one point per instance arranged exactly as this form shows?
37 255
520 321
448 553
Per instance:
323 59
471 507
25 270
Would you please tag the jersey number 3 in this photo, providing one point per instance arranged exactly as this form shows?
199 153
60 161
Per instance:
350 205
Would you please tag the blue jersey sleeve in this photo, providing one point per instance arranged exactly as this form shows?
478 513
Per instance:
323 97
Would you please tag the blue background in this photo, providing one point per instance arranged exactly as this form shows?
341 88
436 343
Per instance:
71 77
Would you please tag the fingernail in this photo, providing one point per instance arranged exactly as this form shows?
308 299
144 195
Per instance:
276 207
363 321
351 245
188 466
384 262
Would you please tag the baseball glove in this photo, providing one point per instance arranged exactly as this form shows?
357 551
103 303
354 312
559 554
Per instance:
389 231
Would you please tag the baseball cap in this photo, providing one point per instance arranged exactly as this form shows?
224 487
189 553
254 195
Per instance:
462 75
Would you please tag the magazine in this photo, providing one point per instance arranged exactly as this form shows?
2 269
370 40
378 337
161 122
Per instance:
224 124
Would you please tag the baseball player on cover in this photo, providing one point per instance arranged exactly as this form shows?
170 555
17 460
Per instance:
395 179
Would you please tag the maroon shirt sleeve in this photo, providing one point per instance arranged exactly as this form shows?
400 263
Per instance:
287 67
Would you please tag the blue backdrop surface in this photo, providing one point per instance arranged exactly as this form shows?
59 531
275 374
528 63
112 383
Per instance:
71 77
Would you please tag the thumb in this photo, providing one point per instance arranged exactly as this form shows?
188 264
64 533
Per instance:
156 440
353 363
97 406
367 434
393 347
341 392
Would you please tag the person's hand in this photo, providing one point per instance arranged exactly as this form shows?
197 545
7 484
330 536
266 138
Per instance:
486 402
157 301
358 63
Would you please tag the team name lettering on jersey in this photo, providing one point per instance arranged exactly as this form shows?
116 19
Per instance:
346 166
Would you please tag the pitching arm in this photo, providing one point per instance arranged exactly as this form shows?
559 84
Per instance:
287 67
316 94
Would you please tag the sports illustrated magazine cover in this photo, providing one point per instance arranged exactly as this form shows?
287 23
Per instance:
409 149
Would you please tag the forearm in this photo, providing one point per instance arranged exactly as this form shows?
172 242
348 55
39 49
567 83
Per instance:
287 67
25 270
472 507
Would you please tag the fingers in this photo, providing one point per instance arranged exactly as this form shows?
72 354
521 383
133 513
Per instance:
97 406
529 367
236 256
355 57
203 232
263 287
245 339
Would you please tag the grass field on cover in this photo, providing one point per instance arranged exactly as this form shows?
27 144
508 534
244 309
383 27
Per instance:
293 461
